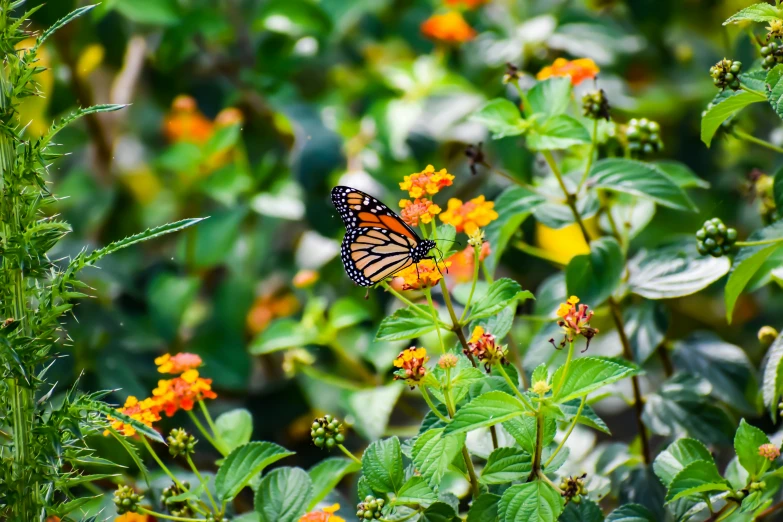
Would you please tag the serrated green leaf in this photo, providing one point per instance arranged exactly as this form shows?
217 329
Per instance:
772 377
501 117
243 464
347 312
283 495
761 12
584 511
551 96
588 417
514 205
631 513
535 501
557 133
484 508
723 110
676 456
327 474
594 276
485 410
234 428
681 174
747 441
501 294
281 334
587 374
415 491
404 324
382 465
697 477
506 465
639 179
439 512
434 451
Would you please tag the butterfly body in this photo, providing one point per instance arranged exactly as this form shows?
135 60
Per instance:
377 243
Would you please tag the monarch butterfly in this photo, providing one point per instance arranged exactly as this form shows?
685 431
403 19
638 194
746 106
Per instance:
377 243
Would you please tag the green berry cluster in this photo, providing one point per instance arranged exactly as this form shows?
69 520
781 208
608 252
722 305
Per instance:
370 508
326 431
595 105
126 500
643 137
176 508
573 488
771 55
715 239
725 73
212 517
181 442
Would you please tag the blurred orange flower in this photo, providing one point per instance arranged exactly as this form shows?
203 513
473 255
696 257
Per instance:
185 122
183 392
179 363
579 70
326 514
305 278
469 216
421 209
134 517
267 307
425 182
449 28
229 116
425 274
146 412
461 270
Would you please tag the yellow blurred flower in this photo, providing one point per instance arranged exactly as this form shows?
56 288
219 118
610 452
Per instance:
146 412
469 216
326 514
450 28
90 59
426 182
564 243
420 209
578 70
425 274
32 109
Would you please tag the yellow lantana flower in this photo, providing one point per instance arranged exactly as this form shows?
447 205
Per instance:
469 216
425 182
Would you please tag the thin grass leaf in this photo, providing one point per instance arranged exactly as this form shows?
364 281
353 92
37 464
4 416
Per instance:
109 411
75 115
76 13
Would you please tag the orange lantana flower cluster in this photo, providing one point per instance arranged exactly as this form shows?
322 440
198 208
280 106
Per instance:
424 274
484 347
186 123
421 209
578 70
426 182
449 28
469 216
180 392
326 514
462 264
411 365
575 320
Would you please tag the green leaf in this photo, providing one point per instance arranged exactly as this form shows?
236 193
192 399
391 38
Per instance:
415 491
168 297
588 417
557 133
761 12
153 12
499 324
513 206
501 117
485 410
234 428
631 513
551 96
724 109
434 451
372 407
347 312
645 325
484 508
244 463
382 465
506 465
725 366
673 271
746 444
778 182
748 261
697 477
593 277
283 495
587 374
677 456
404 324
772 376
445 239
439 512
75 115
541 373
524 429
535 501
639 179
585 511
681 174
327 474
280 335
775 89
502 293
76 13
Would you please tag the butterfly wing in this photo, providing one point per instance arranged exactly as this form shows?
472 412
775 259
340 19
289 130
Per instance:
358 210
371 255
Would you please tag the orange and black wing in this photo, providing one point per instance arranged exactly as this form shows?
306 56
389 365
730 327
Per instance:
372 254
360 210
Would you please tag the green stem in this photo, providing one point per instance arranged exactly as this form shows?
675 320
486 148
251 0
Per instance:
476 250
593 146
564 376
536 467
758 141
165 469
203 431
318 375
204 483
570 198
568 433
169 517
515 387
215 432
759 243
429 402
487 276
355 365
428 293
416 308
349 454
753 91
